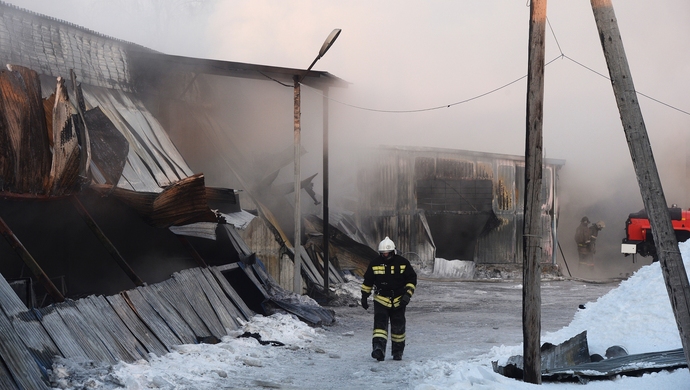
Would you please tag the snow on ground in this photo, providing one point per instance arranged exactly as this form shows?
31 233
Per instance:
636 315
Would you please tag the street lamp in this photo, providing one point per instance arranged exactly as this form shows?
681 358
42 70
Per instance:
297 275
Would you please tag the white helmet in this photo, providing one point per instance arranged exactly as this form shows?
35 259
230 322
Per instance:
386 245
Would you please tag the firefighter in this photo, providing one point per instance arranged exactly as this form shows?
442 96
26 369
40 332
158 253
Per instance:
583 238
393 281
594 232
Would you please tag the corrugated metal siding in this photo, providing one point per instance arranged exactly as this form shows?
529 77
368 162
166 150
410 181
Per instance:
53 47
18 360
153 161
127 327
261 240
403 168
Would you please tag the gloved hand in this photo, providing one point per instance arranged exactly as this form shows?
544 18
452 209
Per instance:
364 302
405 299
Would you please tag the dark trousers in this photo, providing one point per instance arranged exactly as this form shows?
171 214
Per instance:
382 315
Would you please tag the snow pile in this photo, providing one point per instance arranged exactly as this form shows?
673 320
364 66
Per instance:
637 315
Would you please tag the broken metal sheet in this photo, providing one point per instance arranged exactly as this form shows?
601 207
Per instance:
134 176
10 303
139 329
109 147
571 352
219 302
158 161
64 170
239 220
62 336
161 316
35 337
87 337
205 230
6 381
351 254
302 306
191 289
625 365
114 333
17 359
334 274
225 200
228 304
181 203
172 292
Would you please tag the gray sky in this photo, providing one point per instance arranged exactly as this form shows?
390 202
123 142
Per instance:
412 55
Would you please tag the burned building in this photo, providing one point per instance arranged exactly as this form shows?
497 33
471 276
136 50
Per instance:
453 204
115 246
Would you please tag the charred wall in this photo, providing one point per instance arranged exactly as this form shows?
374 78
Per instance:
452 204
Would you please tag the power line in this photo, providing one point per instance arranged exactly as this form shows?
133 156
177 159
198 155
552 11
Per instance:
562 55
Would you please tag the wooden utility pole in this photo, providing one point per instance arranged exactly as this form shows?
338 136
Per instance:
531 290
671 262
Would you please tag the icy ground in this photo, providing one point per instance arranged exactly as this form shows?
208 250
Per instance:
455 329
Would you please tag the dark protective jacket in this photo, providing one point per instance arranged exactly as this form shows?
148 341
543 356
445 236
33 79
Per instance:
389 279
583 235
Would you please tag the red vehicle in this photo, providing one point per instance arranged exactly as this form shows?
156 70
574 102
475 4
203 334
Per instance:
638 232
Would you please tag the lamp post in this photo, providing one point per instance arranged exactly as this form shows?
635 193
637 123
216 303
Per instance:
297 274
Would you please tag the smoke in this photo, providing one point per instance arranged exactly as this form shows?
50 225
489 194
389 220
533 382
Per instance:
411 56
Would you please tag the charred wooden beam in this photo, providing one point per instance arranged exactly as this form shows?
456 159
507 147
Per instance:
106 242
30 262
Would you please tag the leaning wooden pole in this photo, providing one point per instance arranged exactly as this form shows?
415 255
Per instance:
30 262
671 262
107 244
531 290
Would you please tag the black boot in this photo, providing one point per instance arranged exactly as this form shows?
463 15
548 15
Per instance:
378 355
397 356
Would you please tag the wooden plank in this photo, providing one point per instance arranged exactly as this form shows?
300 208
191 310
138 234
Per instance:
246 312
19 362
173 322
196 297
88 338
120 341
225 309
60 334
171 291
145 334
